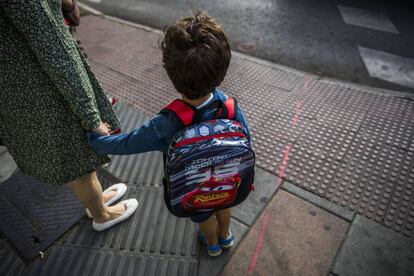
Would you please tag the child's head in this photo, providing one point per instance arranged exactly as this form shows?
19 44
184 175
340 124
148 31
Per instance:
196 55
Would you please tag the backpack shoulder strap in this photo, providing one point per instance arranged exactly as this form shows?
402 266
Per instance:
182 111
187 114
230 108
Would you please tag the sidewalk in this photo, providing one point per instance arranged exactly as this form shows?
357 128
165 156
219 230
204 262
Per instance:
335 176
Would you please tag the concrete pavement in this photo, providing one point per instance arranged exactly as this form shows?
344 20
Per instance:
291 237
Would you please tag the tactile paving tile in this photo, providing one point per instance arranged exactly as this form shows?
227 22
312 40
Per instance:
131 43
270 145
366 182
258 73
249 94
400 214
33 215
151 230
313 95
303 168
10 263
326 141
142 169
97 29
146 53
68 260
314 90
411 147
393 127
350 99
144 66
269 154
148 98
391 106
347 119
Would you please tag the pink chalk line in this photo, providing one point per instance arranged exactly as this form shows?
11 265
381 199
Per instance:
299 102
285 161
266 218
306 81
295 119
265 224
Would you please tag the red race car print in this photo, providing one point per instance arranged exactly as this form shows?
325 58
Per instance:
213 193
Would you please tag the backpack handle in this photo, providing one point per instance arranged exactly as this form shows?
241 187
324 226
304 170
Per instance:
188 114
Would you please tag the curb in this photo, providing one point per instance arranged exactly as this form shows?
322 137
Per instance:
89 9
318 201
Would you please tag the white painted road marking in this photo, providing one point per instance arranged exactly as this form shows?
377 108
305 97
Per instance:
367 19
389 67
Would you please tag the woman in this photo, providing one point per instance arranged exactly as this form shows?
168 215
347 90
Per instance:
49 98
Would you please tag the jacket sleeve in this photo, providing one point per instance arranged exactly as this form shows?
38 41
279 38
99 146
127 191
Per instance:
143 139
42 27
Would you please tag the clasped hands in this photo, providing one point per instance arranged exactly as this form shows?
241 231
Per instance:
103 129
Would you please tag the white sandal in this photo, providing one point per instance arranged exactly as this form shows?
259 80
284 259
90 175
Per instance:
120 189
131 206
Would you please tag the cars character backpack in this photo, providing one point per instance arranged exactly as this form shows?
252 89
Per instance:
210 164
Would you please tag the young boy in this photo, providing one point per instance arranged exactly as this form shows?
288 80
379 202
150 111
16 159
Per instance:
196 55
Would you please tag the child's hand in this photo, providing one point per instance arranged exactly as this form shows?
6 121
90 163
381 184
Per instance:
102 129
111 131
101 143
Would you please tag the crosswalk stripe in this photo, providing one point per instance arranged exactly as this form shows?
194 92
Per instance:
367 19
388 67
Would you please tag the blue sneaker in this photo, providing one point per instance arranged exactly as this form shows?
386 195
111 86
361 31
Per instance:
212 250
228 242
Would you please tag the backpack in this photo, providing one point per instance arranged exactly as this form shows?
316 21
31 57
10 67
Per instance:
210 164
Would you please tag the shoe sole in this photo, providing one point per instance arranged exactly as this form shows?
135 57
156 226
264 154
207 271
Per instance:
211 254
226 247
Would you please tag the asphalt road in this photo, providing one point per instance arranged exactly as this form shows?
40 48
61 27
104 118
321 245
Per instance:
308 35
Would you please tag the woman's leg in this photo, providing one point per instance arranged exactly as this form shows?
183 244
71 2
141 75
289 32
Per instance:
209 229
89 192
223 219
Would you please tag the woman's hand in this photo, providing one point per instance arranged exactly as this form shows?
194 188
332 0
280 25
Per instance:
103 129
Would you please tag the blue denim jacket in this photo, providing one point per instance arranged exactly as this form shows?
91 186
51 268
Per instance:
155 135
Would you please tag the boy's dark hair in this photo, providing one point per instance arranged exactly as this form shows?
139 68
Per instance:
195 54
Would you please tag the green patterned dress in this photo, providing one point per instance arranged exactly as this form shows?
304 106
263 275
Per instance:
49 97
